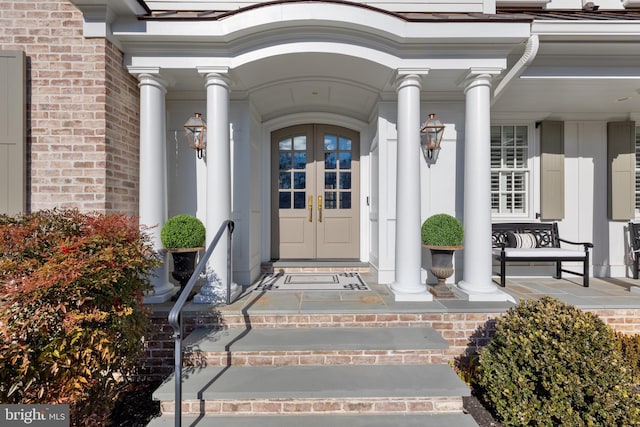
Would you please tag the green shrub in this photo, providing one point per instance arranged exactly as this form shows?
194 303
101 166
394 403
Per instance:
71 314
630 348
442 230
551 364
183 231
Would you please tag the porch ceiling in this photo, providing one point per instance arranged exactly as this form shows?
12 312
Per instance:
566 80
315 82
595 80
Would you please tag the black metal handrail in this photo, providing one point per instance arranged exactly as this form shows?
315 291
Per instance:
175 319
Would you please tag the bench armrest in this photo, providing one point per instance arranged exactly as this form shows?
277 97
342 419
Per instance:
585 244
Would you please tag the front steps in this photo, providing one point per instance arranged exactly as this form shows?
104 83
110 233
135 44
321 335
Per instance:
338 376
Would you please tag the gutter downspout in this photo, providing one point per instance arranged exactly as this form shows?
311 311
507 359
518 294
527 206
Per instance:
530 52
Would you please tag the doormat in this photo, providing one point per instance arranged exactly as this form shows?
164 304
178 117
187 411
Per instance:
311 282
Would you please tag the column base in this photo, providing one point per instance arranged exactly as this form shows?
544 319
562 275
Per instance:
402 295
163 290
486 293
160 294
217 295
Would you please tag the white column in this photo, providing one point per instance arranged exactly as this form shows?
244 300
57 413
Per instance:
408 285
153 175
477 281
218 158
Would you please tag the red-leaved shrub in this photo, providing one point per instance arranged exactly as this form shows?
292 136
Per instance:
71 314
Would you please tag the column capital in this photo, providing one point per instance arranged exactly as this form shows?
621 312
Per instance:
149 76
215 75
406 80
476 76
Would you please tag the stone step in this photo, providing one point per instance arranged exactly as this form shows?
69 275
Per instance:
417 420
314 346
314 266
278 390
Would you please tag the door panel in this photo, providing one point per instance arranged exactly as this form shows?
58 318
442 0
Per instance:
337 175
315 192
292 174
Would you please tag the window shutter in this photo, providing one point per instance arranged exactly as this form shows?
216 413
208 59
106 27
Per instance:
551 170
12 132
621 170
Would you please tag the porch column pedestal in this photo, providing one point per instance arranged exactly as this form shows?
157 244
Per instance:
153 175
477 282
218 187
408 285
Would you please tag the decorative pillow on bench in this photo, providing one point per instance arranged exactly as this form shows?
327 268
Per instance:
521 240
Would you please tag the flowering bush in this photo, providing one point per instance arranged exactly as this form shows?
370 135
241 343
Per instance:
71 314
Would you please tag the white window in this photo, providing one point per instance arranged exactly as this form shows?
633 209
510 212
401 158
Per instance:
510 170
637 171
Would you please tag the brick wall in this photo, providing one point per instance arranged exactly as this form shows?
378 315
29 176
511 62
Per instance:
465 332
122 132
75 87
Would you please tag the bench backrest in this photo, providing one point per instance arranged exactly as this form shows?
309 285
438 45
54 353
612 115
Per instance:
545 233
634 235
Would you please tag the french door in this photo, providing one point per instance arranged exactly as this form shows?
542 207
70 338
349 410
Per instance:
315 193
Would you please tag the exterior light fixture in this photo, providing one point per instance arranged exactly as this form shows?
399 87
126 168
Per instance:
431 135
196 128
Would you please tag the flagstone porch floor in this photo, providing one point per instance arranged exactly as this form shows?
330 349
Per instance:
612 293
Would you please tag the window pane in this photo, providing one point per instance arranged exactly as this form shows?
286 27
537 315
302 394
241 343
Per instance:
330 180
284 144
285 161
345 160
330 200
300 143
520 156
345 180
298 199
345 144
299 180
285 201
284 181
508 135
495 203
330 142
345 200
299 160
330 160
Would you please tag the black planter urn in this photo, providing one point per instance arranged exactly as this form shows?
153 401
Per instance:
442 268
184 263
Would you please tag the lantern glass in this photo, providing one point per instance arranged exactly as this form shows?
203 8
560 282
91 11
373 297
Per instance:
195 129
432 131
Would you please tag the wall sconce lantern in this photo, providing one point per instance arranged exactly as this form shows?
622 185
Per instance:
196 128
431 135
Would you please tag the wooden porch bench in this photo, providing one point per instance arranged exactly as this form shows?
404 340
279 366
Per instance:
528 242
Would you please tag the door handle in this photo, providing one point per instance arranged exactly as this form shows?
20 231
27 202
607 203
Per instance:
319 208
310 208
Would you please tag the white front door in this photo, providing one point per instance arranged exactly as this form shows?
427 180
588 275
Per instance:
315 193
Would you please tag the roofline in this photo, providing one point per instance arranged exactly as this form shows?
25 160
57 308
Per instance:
213 15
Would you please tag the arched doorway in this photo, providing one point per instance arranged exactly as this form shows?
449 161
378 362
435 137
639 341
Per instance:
315 192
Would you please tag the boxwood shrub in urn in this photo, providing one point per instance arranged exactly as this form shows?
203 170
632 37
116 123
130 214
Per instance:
183 236
442 234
